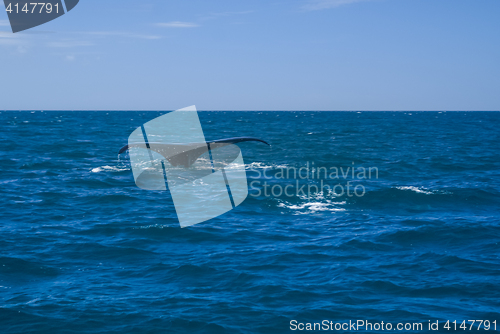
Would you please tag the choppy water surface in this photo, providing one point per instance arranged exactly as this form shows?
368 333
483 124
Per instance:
84 250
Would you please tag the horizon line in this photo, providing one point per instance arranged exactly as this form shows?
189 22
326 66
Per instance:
260 110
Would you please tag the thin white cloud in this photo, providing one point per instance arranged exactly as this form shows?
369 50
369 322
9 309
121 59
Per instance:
4 23
8 38
16 42
69 44
73 41
5 34
177 24
122 34
9 42
211 16
71 55
326 4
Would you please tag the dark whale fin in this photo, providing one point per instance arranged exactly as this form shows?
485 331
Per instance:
190 152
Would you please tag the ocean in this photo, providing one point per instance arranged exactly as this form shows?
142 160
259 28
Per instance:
412 236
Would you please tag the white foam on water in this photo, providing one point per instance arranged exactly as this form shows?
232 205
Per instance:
422 190
262 165
317 203
108 169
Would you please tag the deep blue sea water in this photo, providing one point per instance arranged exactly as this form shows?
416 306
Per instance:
83 250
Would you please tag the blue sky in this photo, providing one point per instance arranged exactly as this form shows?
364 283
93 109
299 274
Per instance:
257 55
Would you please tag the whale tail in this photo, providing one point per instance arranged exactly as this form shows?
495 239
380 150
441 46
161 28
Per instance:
188 153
